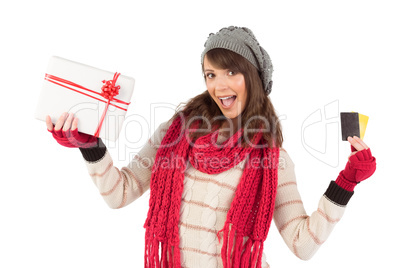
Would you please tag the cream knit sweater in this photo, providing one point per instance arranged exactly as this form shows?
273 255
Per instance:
206 200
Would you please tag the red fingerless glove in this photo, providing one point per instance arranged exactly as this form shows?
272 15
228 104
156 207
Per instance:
359 167
74 139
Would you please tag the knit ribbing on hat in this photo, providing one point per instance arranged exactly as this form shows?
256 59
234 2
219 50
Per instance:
235 47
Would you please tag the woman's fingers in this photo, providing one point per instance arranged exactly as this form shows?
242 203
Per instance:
67 123
361 142
74 124
60 122
49 123
357 143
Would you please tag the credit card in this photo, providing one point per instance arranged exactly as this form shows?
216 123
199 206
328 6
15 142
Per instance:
353 124
350 125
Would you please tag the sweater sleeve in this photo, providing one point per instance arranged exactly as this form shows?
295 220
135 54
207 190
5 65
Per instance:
120 187
304 234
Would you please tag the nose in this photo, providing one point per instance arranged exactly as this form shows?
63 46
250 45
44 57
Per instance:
221 82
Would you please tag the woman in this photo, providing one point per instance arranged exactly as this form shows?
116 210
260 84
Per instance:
219 175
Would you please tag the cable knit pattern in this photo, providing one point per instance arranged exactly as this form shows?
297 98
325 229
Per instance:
184 213
208 219
206 199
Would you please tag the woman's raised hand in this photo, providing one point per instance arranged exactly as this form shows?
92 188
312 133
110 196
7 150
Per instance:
361 165
65 132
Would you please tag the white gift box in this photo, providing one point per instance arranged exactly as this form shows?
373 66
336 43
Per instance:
76 88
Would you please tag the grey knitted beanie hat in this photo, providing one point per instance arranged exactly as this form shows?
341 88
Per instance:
242 41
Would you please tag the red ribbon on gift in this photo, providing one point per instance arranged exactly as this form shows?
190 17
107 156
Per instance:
109 91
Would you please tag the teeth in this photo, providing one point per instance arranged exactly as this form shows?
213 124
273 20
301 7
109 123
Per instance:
226 98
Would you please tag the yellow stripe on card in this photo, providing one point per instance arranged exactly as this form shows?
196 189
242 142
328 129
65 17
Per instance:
363 121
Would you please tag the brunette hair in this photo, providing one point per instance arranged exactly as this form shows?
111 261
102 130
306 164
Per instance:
258 112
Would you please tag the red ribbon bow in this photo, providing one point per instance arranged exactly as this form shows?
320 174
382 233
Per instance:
109 91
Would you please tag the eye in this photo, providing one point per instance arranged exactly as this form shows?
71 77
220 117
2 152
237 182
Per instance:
232 73
209 75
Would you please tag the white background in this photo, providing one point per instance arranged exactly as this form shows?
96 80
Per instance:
343 53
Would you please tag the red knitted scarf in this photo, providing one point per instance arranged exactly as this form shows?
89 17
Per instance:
251 210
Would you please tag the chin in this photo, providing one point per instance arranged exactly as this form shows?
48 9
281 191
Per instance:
231 116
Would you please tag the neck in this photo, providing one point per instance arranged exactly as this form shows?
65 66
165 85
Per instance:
231 125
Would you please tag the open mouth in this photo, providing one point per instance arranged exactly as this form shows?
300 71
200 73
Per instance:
227 101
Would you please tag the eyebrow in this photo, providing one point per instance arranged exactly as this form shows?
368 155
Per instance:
208 70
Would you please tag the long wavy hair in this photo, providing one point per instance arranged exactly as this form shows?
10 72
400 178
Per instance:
259 111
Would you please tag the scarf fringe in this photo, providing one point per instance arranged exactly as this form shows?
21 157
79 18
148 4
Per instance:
170 254
234 254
